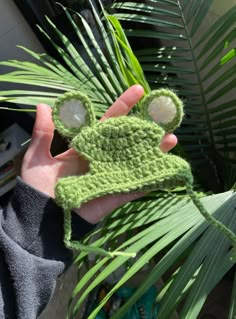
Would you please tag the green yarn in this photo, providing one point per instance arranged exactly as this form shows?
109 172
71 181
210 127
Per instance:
71 244
178 104
211 220
84 102
124 155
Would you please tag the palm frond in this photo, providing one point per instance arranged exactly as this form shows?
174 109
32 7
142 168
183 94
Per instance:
167 237
97 81
192 57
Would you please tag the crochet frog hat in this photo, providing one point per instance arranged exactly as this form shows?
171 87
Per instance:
123 153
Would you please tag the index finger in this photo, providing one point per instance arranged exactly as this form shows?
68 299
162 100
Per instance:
125 102
120 107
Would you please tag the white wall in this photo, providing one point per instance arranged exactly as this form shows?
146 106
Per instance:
14 30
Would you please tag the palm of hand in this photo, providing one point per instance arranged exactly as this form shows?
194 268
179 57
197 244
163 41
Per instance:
42 170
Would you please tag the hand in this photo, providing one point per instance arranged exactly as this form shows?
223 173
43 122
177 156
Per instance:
41 170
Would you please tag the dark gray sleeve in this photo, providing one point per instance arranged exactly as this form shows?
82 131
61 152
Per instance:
32 254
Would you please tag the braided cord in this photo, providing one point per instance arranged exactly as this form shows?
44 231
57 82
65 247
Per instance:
77 245
211 220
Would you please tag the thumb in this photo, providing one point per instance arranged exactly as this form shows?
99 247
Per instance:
42 132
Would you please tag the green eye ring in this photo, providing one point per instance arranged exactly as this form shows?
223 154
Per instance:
71 112
164 108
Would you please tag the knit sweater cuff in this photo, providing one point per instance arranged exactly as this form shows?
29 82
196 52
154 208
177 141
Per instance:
35 222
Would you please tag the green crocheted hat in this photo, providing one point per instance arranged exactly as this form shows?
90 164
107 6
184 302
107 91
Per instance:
123 153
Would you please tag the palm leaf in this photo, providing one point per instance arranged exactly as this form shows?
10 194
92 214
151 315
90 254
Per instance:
102 79
77 75
178 234
188 59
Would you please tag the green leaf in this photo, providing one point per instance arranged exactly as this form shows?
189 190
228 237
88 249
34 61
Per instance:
230 37
133 67
155 34
227 75
202 10
147 20
215 32
34 81
74 60
15 110
221 92
201 255
166 240
229 56
143 7
109 47
109 82
223 107
232 311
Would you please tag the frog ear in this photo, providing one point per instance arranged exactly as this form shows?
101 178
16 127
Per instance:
71 112
164 108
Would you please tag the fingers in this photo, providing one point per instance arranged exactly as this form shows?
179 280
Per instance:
168 142
122 106
125 102
42 132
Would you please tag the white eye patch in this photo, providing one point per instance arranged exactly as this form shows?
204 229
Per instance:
162 110
72 113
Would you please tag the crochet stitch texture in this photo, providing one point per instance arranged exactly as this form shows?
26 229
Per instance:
124 155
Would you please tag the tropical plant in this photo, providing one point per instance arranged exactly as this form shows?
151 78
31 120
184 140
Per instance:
198 63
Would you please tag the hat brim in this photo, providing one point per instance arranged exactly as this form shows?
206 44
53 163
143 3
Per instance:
73 191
